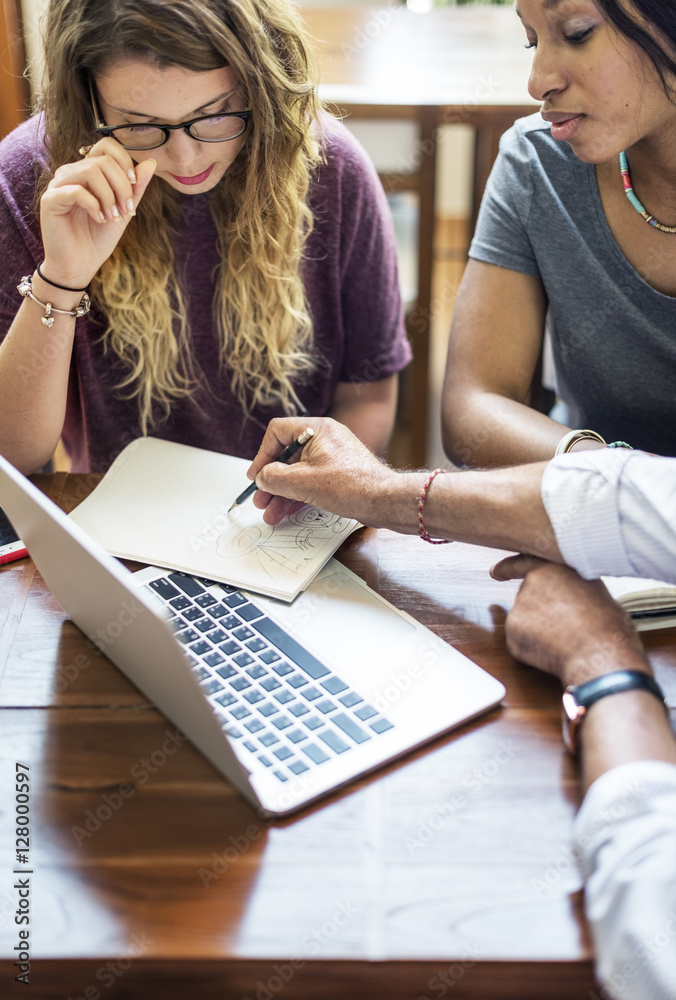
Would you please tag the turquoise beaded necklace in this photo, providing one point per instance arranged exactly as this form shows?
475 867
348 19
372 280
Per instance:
629 191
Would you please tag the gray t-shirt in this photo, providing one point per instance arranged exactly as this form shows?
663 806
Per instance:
613 335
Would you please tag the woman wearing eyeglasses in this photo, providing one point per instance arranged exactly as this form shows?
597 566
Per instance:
198 247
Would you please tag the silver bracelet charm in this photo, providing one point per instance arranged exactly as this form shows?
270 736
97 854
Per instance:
26 289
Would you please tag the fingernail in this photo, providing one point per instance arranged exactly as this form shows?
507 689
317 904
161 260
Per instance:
154 162
114 212
131 174
102 217
130 207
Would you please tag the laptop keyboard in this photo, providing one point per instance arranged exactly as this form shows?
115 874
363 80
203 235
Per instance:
286 708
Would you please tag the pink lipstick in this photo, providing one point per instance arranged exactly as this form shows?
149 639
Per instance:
196 178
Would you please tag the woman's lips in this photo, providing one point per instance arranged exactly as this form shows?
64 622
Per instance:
196 179
565 129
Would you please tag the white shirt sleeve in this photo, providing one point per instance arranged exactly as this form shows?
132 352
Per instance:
614 512
626 844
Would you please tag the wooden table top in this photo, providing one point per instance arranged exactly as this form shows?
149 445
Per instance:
450 57
451 866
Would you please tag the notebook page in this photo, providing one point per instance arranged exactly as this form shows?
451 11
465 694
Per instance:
651 603
167 504
636 594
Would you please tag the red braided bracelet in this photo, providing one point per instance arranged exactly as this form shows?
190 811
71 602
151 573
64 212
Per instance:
424 534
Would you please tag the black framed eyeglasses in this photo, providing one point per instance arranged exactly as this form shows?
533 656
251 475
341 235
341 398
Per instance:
210 128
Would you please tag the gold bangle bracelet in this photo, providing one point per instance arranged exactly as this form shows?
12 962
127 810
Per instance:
572 438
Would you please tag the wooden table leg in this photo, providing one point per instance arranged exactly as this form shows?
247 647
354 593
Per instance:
413 410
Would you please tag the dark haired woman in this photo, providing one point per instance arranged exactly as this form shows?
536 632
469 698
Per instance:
233 239
577 232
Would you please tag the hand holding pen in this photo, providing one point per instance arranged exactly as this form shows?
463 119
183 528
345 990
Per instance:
336 472
288 453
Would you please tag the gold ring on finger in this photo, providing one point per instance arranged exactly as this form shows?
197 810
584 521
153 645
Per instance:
84 150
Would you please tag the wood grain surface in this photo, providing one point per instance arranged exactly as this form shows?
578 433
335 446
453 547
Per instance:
449 873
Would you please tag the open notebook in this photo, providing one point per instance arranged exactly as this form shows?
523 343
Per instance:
167 504
651 603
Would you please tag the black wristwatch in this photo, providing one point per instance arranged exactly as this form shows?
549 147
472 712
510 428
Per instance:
579 697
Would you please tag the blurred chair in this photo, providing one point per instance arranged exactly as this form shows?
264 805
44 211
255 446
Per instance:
409 179
15 99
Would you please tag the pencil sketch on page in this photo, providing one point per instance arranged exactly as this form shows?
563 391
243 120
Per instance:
284 548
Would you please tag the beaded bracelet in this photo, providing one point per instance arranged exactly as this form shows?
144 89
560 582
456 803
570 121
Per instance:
620 444
25 288
424 534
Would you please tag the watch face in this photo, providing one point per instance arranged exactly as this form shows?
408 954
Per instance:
571 707
572 716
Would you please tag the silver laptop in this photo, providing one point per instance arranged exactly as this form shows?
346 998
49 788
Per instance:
288 701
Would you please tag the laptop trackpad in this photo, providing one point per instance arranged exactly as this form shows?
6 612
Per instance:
337 612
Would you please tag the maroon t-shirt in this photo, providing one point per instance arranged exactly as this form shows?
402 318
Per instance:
350 273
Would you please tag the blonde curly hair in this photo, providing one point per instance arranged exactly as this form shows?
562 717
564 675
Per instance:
262 215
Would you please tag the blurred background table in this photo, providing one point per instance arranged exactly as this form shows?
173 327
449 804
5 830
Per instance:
451 65
454 862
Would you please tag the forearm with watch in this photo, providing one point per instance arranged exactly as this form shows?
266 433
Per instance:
625 833
617 716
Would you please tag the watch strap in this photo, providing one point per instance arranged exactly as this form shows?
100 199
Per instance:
583 696
620 680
